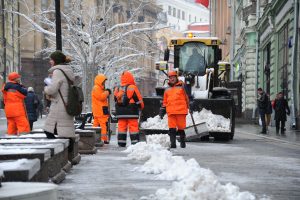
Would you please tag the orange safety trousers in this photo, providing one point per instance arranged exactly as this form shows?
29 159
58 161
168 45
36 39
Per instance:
17 125
177 121
102 122
123 126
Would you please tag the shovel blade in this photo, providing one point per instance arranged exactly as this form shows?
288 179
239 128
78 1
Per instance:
191 133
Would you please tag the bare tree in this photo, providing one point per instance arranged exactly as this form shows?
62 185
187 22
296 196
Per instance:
95 43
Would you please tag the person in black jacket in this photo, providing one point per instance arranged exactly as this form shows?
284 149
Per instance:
262 104
32 103
281 110
268 111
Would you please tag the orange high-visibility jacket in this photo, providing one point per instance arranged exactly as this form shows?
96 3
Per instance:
133 94
13 96
175 99
99 97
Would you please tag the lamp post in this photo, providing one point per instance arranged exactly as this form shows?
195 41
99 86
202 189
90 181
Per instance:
58 25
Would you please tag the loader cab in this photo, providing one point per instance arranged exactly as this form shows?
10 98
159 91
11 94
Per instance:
195 55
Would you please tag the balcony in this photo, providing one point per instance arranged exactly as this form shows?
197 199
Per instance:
251 9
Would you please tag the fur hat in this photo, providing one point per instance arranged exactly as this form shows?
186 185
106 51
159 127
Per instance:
58 57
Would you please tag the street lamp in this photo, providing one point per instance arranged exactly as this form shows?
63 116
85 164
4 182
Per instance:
58 25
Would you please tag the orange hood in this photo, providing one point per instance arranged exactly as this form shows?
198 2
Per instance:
99 80
127 79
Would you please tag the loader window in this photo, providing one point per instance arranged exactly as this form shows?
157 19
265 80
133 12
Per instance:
195 58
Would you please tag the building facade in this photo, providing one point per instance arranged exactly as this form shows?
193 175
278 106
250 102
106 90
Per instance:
220 19
9 41
181 13
278 63
265 52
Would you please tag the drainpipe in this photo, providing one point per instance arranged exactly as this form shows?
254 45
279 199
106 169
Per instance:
19 34
294 97
256 59
232 39
3 41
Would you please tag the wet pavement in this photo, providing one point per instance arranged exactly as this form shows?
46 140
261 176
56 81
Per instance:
289 136
266 165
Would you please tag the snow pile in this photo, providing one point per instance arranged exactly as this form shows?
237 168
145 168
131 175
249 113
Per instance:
143 151
190 180
163 140
156 123
213 122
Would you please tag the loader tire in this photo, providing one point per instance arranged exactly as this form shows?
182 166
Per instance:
205 138
223 137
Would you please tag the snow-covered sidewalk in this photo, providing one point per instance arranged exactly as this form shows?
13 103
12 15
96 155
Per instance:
107 175
146 171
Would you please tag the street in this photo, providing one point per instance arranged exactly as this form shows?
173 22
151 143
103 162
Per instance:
264 166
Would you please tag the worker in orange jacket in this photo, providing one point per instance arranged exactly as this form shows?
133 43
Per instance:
13 95
128 103
176 105
100 106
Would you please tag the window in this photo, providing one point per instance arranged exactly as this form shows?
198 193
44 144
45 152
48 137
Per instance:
178 13
183 15
283 60
174 12
169 10
44 4
66 4
195 18
267 65
190 18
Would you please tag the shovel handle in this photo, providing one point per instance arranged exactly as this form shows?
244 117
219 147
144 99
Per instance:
195 127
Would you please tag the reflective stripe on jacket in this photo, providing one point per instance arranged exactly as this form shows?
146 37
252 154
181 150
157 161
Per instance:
133 94
175 99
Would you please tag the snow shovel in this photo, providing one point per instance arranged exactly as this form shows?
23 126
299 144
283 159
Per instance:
192 132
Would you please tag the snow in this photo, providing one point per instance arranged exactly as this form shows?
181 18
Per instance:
36 135
190 181
213 122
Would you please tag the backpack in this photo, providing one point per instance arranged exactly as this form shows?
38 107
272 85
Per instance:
75 98
122 98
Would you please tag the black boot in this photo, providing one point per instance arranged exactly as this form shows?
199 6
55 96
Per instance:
182 138
122 137
135 138
172 134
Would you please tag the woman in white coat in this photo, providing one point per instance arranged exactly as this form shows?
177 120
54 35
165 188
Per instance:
59 122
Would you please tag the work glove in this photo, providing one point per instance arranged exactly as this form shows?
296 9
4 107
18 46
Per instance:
162 112
109 91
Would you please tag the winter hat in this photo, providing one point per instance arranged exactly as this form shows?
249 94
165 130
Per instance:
13 76
30 89
58 57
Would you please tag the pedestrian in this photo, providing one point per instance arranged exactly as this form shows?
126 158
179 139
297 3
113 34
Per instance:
58 121
128 104
176 105
262 104
32 104
268 111
100 106
14 94
282 109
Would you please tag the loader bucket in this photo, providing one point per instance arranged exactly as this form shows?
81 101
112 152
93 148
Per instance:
224 107
152 106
